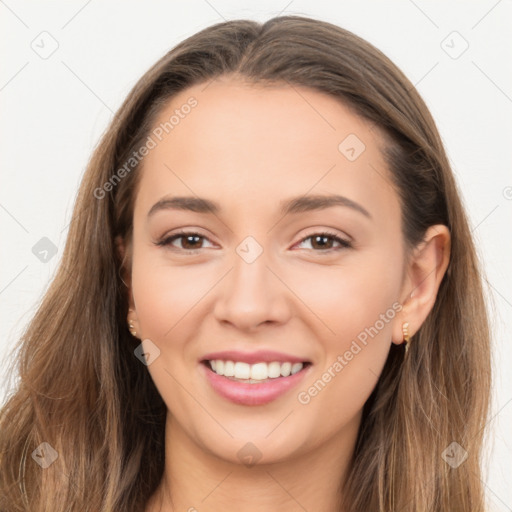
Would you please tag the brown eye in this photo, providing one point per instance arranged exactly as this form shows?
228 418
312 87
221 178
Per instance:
321 242
190 241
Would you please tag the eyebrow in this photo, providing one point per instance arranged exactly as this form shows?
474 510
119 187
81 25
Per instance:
289 206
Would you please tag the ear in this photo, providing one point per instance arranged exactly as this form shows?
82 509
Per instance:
425 270
124 252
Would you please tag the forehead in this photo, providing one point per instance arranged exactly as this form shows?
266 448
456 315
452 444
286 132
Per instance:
254 145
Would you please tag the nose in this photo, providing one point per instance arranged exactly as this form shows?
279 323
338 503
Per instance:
252 294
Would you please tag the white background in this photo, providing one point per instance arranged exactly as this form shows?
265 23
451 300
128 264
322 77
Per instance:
55 109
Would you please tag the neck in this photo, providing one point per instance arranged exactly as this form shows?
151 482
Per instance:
196 480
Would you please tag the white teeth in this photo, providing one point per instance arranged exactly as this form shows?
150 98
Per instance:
286 369
229 369
296 367
259 371
274 370
254 372
242 371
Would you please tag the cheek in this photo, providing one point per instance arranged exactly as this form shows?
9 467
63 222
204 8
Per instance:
357 306
165 294
349 298
168 299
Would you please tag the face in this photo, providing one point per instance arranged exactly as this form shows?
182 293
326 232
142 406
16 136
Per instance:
269 274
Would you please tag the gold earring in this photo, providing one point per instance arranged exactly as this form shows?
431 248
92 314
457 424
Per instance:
131 327
407 337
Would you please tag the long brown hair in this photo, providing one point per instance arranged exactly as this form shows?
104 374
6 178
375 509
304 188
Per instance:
82 390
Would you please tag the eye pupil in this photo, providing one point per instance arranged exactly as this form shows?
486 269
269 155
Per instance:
324 238
321 243
187 238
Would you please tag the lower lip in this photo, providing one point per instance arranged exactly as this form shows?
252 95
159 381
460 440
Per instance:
252 394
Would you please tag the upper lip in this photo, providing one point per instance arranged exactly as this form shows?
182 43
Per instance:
260 356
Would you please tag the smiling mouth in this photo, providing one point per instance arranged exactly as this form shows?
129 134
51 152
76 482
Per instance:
257 373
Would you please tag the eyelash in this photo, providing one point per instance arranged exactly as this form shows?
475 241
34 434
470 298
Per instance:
345 244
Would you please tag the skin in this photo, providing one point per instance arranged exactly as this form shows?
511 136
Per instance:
248 148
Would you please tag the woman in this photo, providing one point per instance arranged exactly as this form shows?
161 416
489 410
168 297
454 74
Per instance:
268 224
